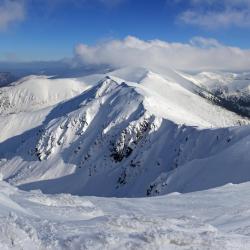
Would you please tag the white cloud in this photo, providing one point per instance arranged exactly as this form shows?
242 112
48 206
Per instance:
215 19
205 43
216 14
225 2
11 12
198 54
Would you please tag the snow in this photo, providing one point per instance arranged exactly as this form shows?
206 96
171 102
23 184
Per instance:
35 92
214 219
231 83
71 145
148 133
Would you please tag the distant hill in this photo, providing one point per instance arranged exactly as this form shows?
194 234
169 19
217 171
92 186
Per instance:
6 78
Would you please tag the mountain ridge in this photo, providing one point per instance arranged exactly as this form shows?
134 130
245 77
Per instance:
133 138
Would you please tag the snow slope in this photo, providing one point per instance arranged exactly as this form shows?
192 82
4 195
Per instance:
230 83
229 90
25 103
35 92
213 219
135 132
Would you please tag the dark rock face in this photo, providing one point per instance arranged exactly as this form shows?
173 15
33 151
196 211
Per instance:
129 138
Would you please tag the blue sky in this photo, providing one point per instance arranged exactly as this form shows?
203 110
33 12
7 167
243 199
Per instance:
49 30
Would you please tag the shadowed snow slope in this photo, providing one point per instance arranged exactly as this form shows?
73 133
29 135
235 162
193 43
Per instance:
215 219
134 133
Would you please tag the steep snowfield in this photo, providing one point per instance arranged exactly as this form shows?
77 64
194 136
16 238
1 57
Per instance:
230 83
174 98
229 90
132 133
215 219
26 103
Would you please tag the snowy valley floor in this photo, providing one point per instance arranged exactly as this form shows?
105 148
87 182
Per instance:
213 219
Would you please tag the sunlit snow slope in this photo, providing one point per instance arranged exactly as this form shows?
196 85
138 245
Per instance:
132 133
216 219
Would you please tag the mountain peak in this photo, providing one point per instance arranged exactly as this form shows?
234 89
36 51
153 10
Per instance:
132 136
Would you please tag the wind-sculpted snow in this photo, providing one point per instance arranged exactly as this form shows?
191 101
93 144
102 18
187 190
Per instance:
214 219
131 133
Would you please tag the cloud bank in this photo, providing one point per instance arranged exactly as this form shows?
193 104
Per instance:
10 12
216 14
199 54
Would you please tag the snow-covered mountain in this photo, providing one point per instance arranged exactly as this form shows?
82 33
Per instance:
36 92
229 90
133 132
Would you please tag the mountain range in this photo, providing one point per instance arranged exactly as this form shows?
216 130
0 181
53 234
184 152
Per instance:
132 132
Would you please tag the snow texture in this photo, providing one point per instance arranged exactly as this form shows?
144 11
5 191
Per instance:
214 219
